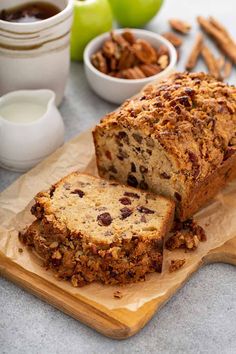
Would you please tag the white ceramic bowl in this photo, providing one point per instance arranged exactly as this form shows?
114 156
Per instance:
116 90
36 55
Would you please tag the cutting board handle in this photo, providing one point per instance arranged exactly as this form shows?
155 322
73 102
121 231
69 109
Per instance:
224 254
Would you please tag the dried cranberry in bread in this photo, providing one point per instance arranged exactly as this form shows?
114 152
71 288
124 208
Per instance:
89 229
176 138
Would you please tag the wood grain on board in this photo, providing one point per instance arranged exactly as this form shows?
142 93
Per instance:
119 323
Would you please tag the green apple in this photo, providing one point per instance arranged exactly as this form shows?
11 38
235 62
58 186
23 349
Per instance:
135 13
91 18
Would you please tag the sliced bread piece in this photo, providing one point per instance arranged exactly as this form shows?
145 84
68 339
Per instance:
89 229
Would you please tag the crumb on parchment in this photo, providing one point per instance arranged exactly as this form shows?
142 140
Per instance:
176 264
117 294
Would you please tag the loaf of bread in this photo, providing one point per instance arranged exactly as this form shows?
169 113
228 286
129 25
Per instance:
176 138
89 229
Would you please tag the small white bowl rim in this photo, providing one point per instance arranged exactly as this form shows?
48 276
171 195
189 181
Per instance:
171 48
18 93
60 14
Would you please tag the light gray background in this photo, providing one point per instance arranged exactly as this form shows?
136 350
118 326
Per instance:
200 318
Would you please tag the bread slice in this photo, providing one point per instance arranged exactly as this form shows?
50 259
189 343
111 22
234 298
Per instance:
177 138
89 229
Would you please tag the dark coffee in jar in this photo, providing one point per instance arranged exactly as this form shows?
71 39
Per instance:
29 12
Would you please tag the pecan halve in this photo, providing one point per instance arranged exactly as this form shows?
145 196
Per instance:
127 59
120 40
150 69
132 73
99 62
128 36
144 51
173 38
109 49
179 25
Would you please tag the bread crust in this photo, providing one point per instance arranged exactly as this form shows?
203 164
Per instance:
204 191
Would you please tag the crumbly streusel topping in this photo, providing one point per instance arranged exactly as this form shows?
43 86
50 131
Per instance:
192 115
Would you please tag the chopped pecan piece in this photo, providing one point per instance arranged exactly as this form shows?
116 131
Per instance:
176 264
57 255
186 235
54 244
229 152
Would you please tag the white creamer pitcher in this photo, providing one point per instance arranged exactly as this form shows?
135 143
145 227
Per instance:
31 128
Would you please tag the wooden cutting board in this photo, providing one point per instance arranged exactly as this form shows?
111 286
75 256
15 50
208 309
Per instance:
119 323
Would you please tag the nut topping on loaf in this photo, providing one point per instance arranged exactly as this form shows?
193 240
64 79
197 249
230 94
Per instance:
171 138
89 229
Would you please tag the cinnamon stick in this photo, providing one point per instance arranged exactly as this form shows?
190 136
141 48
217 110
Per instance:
227 70
220 27
220 35
211 62
221 62
195 52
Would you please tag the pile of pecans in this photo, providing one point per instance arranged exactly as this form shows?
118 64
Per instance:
124 56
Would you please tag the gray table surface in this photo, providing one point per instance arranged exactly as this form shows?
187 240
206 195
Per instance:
200 318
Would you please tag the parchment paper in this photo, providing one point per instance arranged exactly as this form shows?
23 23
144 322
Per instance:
218 219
